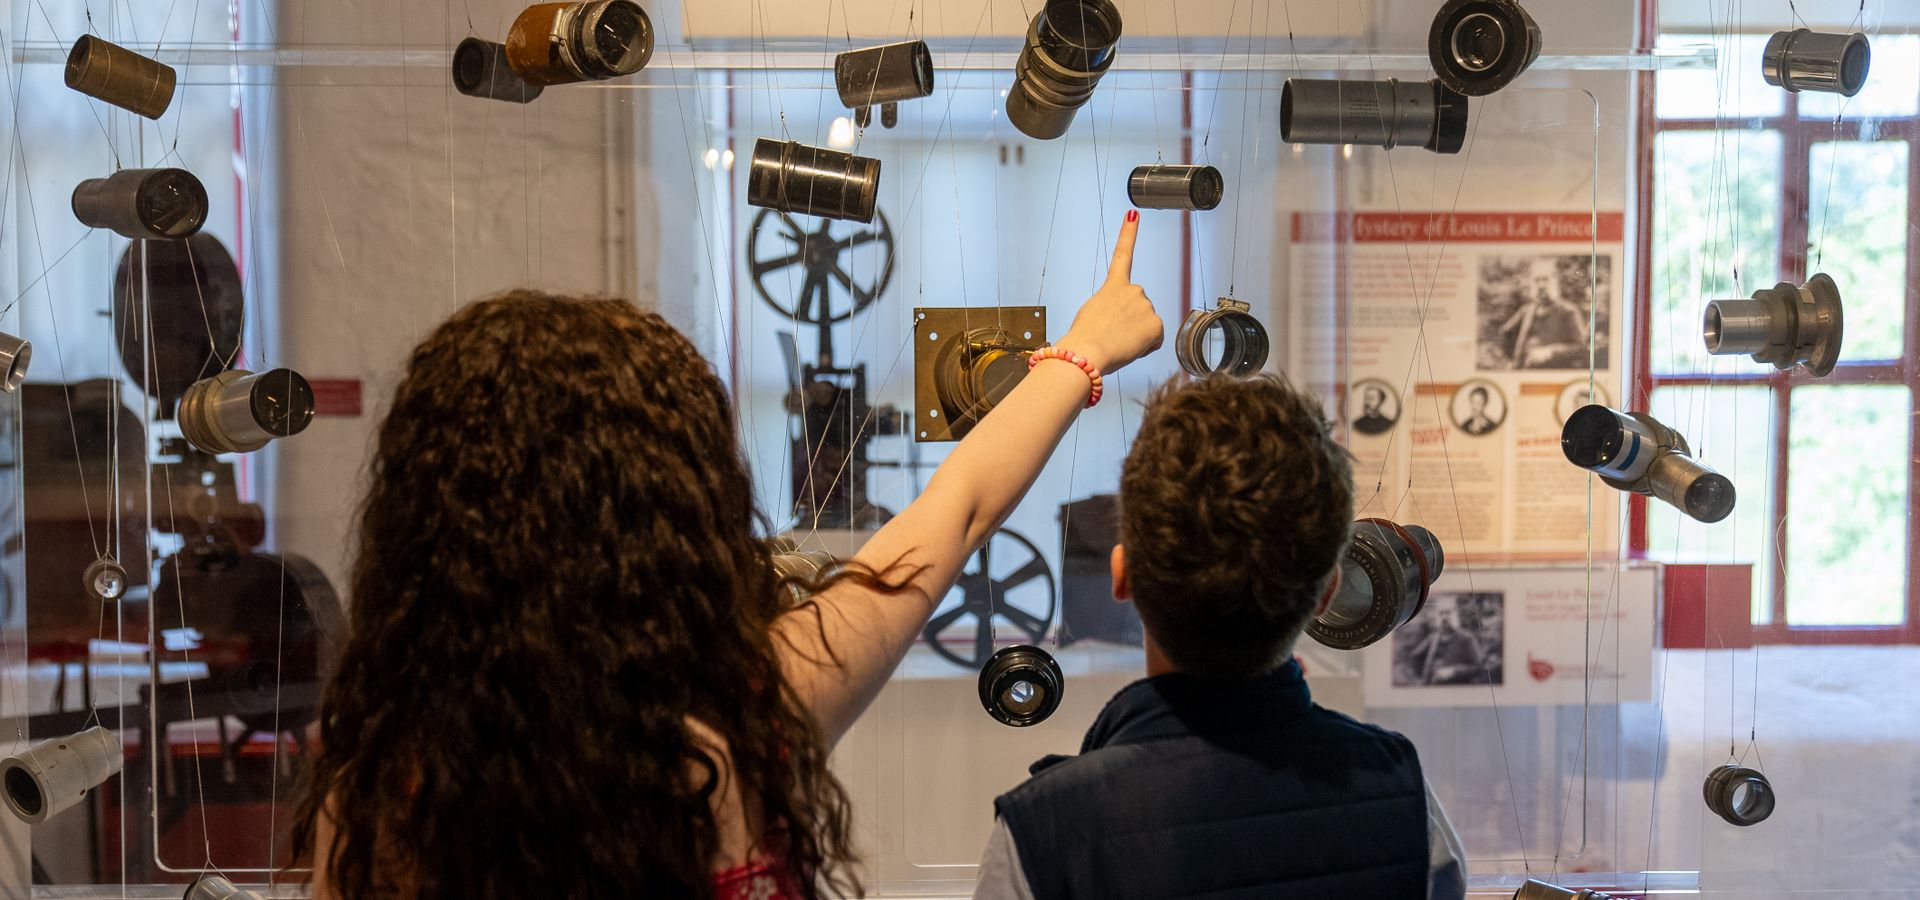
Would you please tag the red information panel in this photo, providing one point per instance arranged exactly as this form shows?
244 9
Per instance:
336 396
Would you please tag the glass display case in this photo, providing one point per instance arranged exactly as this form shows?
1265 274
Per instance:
1598 644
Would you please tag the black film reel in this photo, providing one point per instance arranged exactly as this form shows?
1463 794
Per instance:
1007 585
831 288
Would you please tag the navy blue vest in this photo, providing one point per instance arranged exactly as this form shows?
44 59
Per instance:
1189 786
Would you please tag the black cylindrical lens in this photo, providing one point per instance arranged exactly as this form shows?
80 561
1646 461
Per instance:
1176 187
1386 114
110 72
1070 45
886 74
480 70
1806 60
1021 686
1480 46
791 177
1740 795
1615 445
156 204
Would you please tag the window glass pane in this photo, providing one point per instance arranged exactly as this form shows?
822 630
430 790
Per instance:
1847 504
1730 429
1857 233
1716 209
1893 85
1734 89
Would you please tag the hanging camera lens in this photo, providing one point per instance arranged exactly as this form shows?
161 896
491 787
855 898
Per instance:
15 354
1176 187
110 72
216 887
1481 46
105 580
1739 795
1785 326
239 412
1806 60
792 177
480 69
50 777
1634 452
1384 580
805 565
157 204
564 43
1540 890
883 76
1021 686
1373 113
1070 45
1243 350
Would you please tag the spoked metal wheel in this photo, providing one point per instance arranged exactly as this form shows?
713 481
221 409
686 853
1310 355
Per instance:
1006 588
839 274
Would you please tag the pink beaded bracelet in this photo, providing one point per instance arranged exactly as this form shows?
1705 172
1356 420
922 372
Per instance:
1064 355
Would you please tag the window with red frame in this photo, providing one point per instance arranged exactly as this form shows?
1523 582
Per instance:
1743 186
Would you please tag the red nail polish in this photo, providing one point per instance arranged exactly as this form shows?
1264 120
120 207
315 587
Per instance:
1133 215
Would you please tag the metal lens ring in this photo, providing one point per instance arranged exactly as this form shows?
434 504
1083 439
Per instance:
1244 343
1021 686
1480 46
1740 795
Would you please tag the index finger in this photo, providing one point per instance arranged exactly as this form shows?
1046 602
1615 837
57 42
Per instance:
1121 272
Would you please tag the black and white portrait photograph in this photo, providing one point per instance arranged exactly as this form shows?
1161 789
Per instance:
1374 406
1459 638
1532 311
1577 394
1479 407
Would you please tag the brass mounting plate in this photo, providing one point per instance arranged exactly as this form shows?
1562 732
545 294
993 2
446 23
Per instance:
939 338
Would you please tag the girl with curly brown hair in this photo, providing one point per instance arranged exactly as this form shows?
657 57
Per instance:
571 670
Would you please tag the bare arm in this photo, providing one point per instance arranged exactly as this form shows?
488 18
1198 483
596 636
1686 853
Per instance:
967 498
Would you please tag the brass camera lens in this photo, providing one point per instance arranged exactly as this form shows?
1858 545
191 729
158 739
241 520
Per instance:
112 73
240 412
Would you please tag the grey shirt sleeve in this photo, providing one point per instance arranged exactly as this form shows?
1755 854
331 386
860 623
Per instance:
1446 863
1001 877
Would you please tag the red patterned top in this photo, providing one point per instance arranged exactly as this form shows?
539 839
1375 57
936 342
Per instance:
760 879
